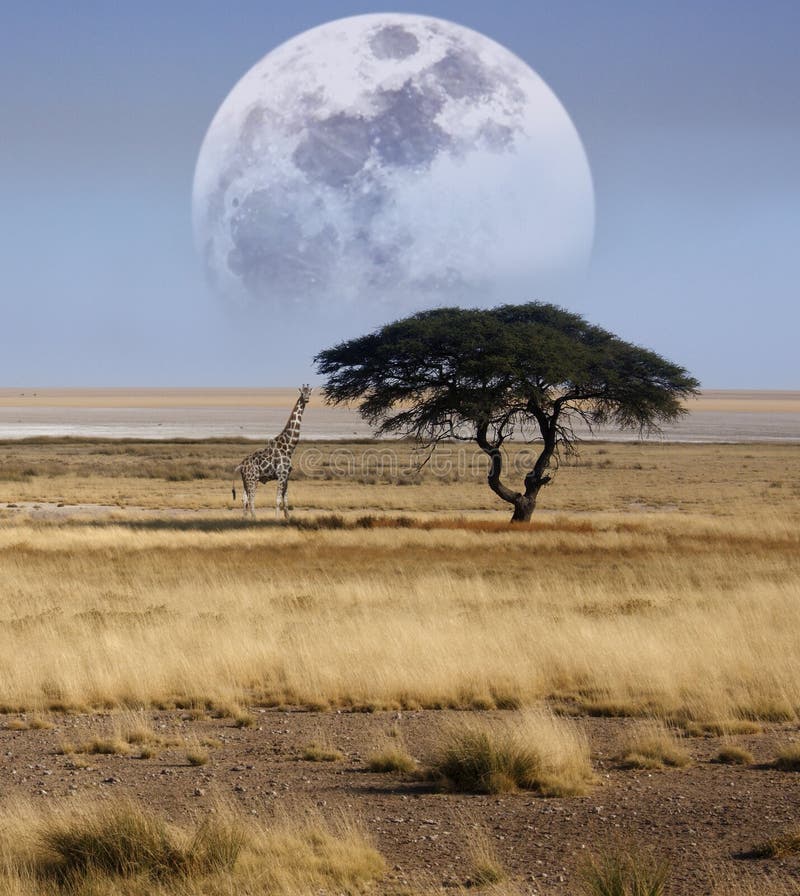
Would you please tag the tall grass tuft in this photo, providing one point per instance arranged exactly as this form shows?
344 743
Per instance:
624 873
536 751
99 849
651 745
788 759
392 758
733 755
317 854
117 840
486 870
785 844
318 751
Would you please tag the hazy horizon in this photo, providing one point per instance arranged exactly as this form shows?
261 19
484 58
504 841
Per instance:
688 113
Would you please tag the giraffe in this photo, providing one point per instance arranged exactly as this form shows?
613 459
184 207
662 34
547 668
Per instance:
272 462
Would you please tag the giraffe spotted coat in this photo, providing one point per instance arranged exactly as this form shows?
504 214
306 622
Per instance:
274 461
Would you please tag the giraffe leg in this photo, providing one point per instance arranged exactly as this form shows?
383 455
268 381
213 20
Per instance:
280 502
249 499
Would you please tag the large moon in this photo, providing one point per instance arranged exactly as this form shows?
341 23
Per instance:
387 163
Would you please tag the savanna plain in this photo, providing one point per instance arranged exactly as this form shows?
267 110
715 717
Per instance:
396 691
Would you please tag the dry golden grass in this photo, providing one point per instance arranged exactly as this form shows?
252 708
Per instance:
651 745
726 480
535 751
689 613
733 755
785 844
392 758
625 872
127 732
197 754
106 849
764 886
788 759
485 868
321 752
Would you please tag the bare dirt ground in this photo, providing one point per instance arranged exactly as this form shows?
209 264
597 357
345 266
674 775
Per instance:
704 818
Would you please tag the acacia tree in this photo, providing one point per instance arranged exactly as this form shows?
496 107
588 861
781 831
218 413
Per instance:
534 370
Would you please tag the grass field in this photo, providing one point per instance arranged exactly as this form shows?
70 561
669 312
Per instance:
657 579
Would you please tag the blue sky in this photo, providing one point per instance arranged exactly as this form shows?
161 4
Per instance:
689 113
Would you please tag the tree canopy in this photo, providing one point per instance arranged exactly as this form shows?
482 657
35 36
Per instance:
535 370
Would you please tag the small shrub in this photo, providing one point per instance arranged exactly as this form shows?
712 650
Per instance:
786 844
196 756
124 840
139 735
624 873
118 840
653 746
16 725
391 759
788 759
319 856
315 752
612 709
37 723
485 867
217 844
484 874
734 756
106 745
98 849
536 752
722 728
507 700
768 710
244 720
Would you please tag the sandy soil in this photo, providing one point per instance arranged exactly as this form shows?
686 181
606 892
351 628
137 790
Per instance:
704 818
153 398
716 416
729 400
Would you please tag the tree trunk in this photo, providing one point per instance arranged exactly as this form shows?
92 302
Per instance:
523 509
524 504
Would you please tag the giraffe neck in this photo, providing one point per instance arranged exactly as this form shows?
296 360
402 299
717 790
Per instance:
291 432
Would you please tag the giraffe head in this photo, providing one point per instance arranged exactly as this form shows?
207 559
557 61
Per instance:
305 392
